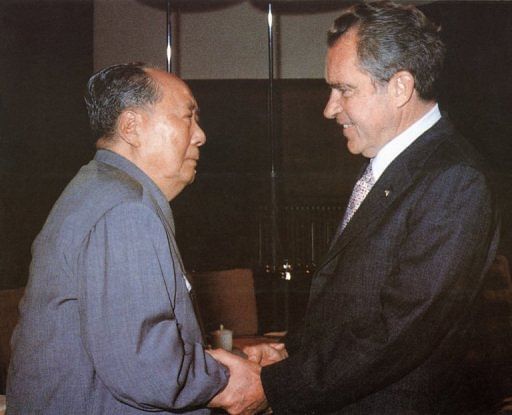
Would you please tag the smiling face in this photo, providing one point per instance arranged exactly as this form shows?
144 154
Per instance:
365 109
170 136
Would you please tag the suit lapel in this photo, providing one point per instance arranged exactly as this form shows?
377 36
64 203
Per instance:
388 188
396 180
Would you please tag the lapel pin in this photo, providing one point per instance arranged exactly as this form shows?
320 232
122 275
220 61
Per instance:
387 192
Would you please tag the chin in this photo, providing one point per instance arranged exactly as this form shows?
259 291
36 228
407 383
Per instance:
353 149
192 178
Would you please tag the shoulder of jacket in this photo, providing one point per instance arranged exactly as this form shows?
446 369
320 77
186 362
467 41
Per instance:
454 151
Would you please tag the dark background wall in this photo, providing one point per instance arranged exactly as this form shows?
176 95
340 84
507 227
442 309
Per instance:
232 187
315 168
476 88
46 58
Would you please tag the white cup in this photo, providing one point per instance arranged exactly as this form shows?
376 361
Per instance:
222 338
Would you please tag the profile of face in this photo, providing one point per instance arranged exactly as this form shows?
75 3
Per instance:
363 108
170 135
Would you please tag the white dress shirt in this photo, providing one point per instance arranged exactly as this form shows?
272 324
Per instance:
403 140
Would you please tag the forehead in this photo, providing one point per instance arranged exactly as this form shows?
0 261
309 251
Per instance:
173 89
342 60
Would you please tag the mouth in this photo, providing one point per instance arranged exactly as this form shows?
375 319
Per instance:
345 124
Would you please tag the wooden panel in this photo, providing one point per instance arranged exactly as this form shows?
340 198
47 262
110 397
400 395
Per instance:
227 298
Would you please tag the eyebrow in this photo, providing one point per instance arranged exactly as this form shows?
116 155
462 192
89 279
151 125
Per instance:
193 107
341 85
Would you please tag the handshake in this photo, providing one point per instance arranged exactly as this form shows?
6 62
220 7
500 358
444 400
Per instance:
244 392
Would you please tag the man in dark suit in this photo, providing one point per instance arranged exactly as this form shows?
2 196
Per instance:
391 304
107 324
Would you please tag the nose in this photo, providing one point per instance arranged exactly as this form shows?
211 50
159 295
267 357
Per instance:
333 106
198 136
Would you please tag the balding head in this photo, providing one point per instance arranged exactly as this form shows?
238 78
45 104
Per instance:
115 89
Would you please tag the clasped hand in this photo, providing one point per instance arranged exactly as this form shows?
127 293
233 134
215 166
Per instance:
266 354
244 392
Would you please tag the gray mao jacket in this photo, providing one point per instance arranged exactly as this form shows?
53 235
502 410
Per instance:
107 324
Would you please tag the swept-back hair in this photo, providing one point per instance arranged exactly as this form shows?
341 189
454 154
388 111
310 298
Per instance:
114 89
391 38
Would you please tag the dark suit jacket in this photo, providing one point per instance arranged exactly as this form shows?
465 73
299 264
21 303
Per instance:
107 325
390 304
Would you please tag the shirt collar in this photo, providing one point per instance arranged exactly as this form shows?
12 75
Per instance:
398 144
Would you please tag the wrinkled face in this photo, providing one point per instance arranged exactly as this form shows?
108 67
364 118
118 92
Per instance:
171 136
364 109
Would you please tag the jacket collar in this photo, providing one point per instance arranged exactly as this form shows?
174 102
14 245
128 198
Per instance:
394 182
116 160
156 197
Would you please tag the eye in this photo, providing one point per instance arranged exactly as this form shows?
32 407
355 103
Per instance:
346 92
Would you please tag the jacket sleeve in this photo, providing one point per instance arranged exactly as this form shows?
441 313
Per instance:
128 326
450 238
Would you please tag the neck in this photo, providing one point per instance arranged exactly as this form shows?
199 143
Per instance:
413 113
129 152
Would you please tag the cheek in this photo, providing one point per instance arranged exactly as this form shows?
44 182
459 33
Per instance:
178 144
368 115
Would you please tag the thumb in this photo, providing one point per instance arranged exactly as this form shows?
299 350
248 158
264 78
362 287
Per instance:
220 354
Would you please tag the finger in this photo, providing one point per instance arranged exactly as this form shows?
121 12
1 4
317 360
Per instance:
278 346
255 351
254 358
252 350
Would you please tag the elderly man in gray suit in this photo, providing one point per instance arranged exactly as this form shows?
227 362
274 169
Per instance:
107 323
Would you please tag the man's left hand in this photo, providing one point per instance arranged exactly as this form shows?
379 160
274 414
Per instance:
266 353
244 392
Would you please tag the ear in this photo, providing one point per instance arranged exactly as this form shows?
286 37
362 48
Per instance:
402 87
128 127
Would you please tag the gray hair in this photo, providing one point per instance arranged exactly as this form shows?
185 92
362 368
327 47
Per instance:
115 89
392 38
